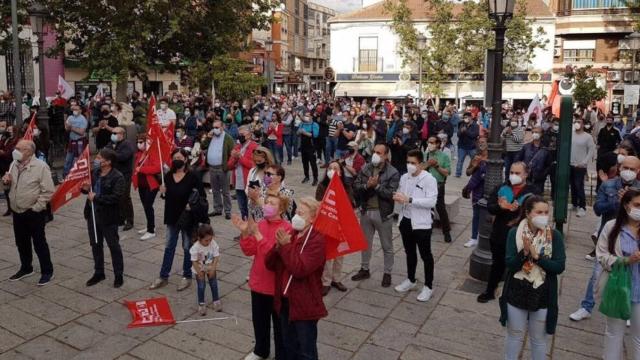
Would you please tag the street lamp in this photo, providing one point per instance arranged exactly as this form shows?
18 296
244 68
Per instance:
633 41
500 11
268 45
17 79
37 13
422 44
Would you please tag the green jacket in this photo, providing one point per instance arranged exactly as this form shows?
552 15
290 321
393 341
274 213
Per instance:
227 147
552 267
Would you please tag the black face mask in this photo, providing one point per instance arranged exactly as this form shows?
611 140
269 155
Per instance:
261 166
105 113
177 164
242 139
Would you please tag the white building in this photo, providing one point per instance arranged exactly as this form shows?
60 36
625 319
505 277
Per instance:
365 60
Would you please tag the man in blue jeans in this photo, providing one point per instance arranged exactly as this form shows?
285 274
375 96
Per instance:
606 206
76 125
468 131
331 144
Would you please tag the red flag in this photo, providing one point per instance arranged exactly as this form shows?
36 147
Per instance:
159 146
554 99
338 223
79 175
28 134
150 312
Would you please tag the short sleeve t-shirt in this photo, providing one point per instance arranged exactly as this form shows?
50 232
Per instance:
204 255
165 117
79 122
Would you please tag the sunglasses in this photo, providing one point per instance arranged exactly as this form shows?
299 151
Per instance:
270 174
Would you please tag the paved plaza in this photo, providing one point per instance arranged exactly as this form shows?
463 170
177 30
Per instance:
67 320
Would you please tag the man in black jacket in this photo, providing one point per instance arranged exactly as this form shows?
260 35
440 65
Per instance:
124 164
374 187
108 187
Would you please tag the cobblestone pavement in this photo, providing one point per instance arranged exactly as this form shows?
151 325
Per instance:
66 320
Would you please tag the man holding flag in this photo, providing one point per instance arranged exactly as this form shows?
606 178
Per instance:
31 188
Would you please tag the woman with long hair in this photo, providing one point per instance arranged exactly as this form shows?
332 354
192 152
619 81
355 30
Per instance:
618 243
534 258
146 178
262 159
179 183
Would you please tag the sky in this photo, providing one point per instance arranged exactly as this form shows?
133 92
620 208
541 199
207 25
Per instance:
341 5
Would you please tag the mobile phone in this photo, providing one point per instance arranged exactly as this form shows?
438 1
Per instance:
254 184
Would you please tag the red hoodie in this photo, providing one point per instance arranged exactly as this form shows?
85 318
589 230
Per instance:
243 163
146 167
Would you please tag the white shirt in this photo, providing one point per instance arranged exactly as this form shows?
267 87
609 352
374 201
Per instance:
204 254
166 117
423 191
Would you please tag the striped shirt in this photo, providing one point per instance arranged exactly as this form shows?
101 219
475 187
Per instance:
333 126
628 246
513 141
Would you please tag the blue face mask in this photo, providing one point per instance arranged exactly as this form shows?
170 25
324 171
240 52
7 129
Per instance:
114 138
96 164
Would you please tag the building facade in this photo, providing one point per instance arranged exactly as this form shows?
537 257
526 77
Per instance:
592 33
367 64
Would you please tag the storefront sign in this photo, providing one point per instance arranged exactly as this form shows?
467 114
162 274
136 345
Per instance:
378 77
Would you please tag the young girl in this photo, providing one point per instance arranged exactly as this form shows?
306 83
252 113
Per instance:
205 255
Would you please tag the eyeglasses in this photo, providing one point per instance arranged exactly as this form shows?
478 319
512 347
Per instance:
270 174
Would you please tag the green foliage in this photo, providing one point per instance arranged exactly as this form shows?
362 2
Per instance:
232 79
586 88
458 43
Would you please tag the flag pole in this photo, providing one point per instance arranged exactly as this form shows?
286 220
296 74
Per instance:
286 288
93 208
160 155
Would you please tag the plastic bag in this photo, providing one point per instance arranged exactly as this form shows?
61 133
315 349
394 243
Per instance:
616 297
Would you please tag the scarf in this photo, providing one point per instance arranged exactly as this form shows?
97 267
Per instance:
541 241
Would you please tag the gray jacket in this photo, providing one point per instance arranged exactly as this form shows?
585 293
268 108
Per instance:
387 185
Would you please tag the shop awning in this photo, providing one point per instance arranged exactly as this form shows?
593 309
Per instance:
368 89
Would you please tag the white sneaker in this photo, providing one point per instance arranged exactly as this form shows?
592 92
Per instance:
202 310
580 314
581 212
590 257
216 306
253 356
147 236
628 323
471 243
142 230
405 286
425 294
184 283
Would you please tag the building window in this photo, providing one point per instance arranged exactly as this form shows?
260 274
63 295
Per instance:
598 4
578 55
368 54
307 63
26 71
297 26
297 7
305 29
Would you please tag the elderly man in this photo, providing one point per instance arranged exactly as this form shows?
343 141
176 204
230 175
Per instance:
31 188
218 153
124 164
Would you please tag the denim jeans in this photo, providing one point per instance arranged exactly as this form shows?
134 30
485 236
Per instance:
68 163
475 222
147 197
576 178
589 301
288 144
509 158
170 252
243 203
462 154
330 149
299 337
202 284
614 336
296 142
518 321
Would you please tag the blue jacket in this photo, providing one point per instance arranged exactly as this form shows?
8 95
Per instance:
536 158
311 127
607 202
467 139
476 183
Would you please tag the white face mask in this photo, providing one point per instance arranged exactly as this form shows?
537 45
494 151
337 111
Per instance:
411 169
621 158
432 147
634 214
76 113
628 175
163 106
515 179
141 146
555 127
217 131
364 126
17 155
535 136
298 222
330 173
36 132
514 124
577 126
405 131
540 221
376 159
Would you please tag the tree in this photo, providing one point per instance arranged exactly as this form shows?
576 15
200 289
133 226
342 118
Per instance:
231 78
586 88
116 39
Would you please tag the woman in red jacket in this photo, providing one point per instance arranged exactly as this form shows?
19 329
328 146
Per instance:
300 257
145 179
256 240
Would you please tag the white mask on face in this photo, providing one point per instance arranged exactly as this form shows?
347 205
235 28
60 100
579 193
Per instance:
376 159
634 214
163 106
535 136
17 155
577 126
330 173
405 131
621 158
628 175
411 169
36 132
540 222
514 124
298 222
364 126
217 131
76 113
141 146
515 179
432 147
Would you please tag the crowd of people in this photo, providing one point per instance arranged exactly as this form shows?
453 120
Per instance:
394 160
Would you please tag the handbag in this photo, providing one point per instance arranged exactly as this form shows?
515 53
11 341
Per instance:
196 213
466 193
616 297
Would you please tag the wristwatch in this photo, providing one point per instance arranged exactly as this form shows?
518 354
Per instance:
410 200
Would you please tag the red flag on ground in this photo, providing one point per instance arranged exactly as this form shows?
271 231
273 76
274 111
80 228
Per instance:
150 312
79 175
338 223
28 133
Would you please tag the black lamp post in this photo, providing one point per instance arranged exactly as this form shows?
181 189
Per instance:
37 14
480 263
268 45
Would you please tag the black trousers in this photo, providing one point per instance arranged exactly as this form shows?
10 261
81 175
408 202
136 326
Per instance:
110 234
147 197
300 337
319 144
422 240
29 226
126 206
441 208
498 249
309 159
263 316
576 177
